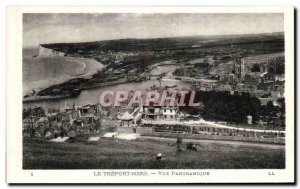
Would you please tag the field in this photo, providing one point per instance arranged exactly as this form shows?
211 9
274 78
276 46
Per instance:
110 153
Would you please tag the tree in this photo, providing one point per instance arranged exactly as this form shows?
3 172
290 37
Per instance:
277 66
97 126
255 68
226 107
281 102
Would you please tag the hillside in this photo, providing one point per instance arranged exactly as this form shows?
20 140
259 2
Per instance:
140 154
174 43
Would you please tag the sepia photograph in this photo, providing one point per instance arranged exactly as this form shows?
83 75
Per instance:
178 93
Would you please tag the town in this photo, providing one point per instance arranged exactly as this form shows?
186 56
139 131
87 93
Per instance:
172 97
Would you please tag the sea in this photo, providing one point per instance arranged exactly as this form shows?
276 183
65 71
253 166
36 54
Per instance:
41 72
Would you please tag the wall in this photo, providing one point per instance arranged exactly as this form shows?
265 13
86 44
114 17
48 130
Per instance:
125 130
144 130
138 130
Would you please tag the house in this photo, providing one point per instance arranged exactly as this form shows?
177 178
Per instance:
52 112
251 79
263 67
35 126
223 87
152 112
117 73
204 84
63 117
42 122
267 78
250 88
280 77
169 113
29 122
37 111
89 109
231 79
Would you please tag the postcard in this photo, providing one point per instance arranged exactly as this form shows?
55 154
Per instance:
150 95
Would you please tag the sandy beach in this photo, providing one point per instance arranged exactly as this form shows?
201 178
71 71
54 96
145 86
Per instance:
41 72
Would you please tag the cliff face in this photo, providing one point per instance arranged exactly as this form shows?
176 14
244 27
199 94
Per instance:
43 51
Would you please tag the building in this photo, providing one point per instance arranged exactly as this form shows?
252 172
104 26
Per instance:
252 79
117 72
239 69
29 122
89 109
204 84
127 120
263 67
37 111
231 79
268 78
169 113
152 112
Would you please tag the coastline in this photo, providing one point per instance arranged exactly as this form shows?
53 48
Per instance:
84 87
90 67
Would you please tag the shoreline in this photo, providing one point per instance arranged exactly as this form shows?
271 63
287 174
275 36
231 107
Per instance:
90 67
96 85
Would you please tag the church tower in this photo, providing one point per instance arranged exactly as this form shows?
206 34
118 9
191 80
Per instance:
239 68
242 69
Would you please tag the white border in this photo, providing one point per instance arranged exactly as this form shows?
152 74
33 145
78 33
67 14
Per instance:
14 171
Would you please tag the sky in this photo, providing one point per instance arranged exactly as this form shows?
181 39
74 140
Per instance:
60 28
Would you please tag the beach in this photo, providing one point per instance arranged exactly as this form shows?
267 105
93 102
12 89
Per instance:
40 72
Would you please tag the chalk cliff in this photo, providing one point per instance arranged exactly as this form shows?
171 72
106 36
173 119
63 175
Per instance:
43 51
